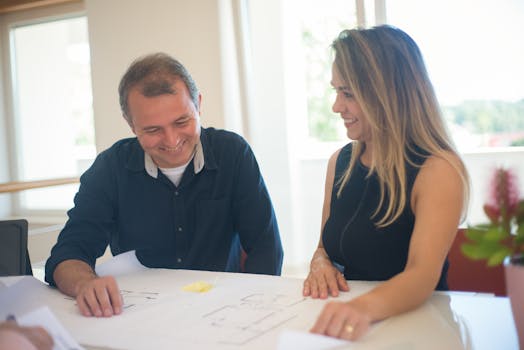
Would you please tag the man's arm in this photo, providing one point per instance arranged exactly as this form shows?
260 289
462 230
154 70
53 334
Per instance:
93 217
95 296
255 220
83 239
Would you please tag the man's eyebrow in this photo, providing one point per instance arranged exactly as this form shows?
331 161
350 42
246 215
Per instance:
150 127
184 116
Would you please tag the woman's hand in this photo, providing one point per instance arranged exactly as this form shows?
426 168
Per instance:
323 278
342 320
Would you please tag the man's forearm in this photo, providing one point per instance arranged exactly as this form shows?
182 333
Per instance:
70 275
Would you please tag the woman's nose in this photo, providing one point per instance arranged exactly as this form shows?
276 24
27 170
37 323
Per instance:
336 108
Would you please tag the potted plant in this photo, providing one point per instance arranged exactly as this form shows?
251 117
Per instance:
501 241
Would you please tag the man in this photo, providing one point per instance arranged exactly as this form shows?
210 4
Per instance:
180 195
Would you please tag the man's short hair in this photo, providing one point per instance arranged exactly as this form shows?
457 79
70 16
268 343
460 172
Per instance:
155 75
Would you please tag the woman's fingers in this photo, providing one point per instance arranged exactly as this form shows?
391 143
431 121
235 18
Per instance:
324 280
341 320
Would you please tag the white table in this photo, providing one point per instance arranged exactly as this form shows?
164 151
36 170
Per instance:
245 311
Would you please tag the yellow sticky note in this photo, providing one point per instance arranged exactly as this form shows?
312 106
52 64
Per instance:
198 287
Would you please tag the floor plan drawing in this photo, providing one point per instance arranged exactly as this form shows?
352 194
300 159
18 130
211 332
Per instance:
252 316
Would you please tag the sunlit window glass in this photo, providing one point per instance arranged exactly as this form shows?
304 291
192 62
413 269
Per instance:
320 22
52 107
475 54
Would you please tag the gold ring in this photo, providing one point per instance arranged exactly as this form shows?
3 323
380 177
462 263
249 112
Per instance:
349 328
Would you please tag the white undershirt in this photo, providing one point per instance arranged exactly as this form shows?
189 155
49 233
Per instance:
198 162
175 174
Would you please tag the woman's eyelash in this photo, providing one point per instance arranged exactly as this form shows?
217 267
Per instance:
344 92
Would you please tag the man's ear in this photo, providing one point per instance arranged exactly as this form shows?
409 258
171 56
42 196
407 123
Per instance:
130 123
199 103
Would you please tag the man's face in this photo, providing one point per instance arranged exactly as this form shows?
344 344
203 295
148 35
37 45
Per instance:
167 126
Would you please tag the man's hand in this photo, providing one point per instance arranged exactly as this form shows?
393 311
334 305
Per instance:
95 296
323 278
99 297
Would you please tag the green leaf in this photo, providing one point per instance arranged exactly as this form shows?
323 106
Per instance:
520 234
483 250
495 234
498 257
476 233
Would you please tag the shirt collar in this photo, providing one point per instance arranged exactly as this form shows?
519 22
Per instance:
198 161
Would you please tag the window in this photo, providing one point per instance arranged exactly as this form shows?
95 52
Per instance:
474 56
319 24
464 53
52 107
310 27
476 68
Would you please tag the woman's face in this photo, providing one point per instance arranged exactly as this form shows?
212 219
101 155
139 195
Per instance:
345 104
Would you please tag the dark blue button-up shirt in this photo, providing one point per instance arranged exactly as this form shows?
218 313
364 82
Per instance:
198 225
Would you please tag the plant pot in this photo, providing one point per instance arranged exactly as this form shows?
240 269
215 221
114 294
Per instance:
514 271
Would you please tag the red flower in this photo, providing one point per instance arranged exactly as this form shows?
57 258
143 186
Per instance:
503 198
493 212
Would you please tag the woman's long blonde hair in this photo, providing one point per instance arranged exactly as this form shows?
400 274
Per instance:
384 69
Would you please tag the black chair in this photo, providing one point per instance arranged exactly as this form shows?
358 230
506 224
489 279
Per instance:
14 256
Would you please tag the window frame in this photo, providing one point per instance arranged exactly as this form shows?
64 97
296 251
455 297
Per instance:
8 22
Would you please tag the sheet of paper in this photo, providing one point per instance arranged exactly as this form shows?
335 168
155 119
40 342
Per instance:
24 295
9 281
45 318
121 264
307 341
240 311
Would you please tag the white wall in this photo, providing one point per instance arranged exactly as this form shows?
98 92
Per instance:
201 35
267 121
122 30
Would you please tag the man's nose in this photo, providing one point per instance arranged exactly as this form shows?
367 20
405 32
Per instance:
171 136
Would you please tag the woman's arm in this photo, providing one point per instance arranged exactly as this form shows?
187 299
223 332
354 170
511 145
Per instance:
437 201
324 278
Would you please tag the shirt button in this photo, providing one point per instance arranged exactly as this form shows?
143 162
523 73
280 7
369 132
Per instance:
176 193
180 229
179 260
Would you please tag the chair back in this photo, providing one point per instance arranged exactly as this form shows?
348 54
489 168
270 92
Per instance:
14 256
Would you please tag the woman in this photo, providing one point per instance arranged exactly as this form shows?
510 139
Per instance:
394 196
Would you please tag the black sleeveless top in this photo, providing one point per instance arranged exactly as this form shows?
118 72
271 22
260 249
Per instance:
350 236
